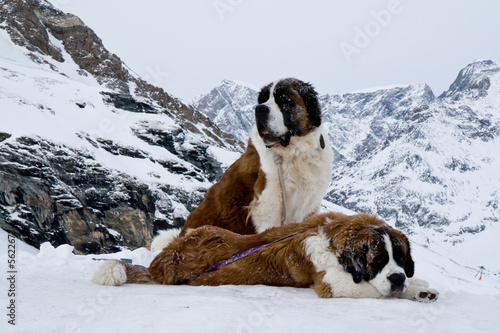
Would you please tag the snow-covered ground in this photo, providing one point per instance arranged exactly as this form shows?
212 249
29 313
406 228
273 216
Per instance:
54 293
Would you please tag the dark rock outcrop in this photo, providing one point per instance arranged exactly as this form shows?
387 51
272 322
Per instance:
54 193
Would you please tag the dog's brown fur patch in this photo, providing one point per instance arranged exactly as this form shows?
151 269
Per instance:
284 263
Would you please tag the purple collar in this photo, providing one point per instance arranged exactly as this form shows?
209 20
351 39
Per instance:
248 252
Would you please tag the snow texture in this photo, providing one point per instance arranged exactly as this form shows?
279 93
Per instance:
55 293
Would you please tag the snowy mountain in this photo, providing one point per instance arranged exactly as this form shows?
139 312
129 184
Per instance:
230 106
425 164
90 154
434 174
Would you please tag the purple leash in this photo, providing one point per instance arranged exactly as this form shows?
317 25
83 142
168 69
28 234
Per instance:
248 252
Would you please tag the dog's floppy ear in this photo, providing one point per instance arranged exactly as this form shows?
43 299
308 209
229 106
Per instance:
310 97
409 263
354 263
264 94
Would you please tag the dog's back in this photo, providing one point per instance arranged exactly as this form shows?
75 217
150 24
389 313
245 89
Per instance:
186 258
226 203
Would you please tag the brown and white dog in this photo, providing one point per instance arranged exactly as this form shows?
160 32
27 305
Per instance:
248 199
356 256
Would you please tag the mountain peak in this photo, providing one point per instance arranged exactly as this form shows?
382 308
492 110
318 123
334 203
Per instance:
238 83
473 81
227 82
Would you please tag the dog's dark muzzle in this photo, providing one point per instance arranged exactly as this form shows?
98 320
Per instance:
397 282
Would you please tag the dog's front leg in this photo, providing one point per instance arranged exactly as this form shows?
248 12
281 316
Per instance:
322 288
335 282
418 290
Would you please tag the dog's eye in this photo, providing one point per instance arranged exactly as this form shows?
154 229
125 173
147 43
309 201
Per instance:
400 258
380 260
286 101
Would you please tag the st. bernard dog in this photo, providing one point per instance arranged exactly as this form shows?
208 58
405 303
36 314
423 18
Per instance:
356 256
283 175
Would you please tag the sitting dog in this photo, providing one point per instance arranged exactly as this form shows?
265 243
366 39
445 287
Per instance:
356 256
283 175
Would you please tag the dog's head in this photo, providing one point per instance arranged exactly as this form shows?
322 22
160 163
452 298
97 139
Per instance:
287 108
373 251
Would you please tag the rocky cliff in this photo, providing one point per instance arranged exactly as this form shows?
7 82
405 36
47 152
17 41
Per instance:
91 154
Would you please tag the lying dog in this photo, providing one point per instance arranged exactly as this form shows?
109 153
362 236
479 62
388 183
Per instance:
356 256
287 142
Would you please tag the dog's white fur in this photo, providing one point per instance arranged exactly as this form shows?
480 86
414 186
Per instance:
306 172
276 123
341 282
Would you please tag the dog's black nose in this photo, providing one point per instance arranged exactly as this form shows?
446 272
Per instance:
397 279
261 110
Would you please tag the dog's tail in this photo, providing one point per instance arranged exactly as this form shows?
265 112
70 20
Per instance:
116 273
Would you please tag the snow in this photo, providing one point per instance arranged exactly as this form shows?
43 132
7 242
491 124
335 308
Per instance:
30 94
226 157
55 294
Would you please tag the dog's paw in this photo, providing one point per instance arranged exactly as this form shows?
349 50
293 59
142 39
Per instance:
425 295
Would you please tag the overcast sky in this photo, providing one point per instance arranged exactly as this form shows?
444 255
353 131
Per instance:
189 46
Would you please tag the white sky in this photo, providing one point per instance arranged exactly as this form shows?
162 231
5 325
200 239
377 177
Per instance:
187 47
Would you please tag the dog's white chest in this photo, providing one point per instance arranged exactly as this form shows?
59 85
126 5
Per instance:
306 172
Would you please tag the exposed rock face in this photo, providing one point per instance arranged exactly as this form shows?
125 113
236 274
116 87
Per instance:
21 22
360 122
57 194
173 141
473 82
123 159
231 106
